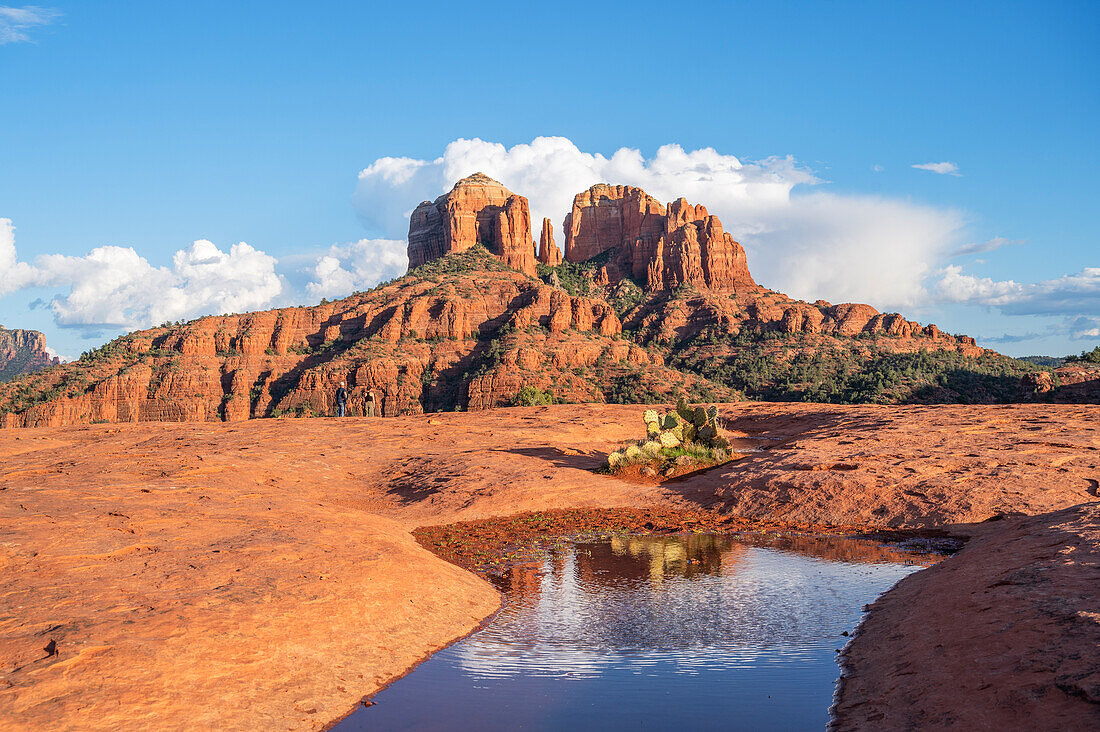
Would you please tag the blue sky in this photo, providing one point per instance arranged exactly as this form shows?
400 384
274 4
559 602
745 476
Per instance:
131 130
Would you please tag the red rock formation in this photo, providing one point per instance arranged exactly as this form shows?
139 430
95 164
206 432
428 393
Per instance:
23 352
548 250
658 248
471 340
478 210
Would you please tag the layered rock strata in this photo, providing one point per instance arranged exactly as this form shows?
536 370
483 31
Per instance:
478 210
420 344
23 352
660 248
548 250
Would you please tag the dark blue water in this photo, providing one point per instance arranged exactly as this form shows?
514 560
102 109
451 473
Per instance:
687 632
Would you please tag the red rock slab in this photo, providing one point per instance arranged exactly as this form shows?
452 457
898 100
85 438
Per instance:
1003 635
261 574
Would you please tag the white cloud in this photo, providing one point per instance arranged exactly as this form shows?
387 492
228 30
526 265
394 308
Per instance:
1084 328
357 266
811 245
115 287
1066 295
15 22
14 275
944 168
987 246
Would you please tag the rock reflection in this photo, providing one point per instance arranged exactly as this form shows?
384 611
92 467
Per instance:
740 631
698 600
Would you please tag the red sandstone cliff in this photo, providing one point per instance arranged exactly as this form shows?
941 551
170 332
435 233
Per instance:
427 342
658 248
548 250
478 210
23 352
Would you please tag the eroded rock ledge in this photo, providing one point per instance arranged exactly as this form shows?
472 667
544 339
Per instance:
262 575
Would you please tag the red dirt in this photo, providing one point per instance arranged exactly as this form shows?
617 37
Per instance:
262 574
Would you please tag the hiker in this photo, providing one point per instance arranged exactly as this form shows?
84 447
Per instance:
341 399
370 403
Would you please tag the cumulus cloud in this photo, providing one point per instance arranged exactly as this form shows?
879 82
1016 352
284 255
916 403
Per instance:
810 244
944 168
357 266
115 287
16 22
1065 295
14 275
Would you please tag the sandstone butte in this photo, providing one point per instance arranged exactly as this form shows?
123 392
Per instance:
477 211
23 352
261 575
239 573
470 325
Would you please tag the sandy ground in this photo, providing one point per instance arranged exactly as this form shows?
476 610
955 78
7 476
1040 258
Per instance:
262 575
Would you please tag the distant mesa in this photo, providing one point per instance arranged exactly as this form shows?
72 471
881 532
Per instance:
647 302
23 352
629 236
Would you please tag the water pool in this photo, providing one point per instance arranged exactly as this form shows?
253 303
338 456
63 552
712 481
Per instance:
699 631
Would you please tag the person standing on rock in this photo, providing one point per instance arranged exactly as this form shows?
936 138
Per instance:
370 403
341 399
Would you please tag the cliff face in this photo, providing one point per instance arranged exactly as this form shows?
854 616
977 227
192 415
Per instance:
427 342
23 352
658 248
478 210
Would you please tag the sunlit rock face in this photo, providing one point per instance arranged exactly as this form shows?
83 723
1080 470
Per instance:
23 352
657 246
478 210
548 251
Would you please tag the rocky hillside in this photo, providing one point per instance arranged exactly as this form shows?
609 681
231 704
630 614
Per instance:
460 332
23 352
647 302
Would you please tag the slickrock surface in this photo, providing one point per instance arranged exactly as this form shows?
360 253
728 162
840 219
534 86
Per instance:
261 575
906 466
23 352
1006 635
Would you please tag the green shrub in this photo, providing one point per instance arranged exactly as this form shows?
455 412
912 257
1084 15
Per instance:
532 396
1092 356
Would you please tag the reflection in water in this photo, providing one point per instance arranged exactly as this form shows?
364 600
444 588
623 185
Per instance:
700 630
